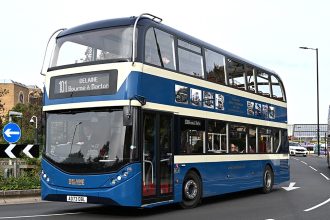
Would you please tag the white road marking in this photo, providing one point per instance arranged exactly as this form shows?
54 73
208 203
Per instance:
36 216
291 187
314 207
327 178
304 162
313 168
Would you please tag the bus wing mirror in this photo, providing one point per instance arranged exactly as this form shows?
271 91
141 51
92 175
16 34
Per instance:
127 116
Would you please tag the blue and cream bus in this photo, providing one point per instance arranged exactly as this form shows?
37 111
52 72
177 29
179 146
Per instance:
173 119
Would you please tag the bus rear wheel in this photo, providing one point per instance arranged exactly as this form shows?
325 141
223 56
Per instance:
191 190
268 180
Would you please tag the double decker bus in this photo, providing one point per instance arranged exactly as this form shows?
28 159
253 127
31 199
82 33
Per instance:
140 114
327 141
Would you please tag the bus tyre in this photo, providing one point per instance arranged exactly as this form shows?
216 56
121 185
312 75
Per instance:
267 180
191 190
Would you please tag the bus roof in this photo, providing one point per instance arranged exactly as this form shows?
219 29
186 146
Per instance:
99 25
145 21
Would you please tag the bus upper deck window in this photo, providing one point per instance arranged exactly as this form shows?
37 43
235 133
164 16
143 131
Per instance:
277 89
236 74
159 49
109 44
190 59
215 67
263 83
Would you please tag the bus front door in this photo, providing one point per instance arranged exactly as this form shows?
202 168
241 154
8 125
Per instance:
157 181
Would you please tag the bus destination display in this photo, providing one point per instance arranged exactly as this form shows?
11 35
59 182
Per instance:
84 84
77 83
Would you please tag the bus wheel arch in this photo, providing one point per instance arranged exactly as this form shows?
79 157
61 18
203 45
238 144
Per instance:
267 179
192 189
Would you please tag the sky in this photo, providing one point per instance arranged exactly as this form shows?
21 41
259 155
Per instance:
266 32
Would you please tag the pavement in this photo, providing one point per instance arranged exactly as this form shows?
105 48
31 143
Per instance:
19 196
20 200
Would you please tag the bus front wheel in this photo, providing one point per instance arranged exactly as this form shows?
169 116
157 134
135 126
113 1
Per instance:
268 180
191 190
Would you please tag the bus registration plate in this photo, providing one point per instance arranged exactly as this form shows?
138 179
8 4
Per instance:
81 199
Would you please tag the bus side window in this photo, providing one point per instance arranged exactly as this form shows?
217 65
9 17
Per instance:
263 83
159 49
276 140
192 136
264 140
217 137
252 140
215 67
250 79
277 89
236 74
190 59
237 137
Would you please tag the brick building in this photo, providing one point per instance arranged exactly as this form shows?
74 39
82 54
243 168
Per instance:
18 93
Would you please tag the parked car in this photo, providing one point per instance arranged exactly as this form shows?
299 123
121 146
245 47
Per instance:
295 149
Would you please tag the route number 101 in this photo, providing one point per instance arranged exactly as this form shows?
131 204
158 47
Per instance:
63 86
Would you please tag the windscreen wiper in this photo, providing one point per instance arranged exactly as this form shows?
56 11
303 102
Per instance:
158 49
74 133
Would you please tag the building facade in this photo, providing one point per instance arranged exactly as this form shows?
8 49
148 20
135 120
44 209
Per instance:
16 92
308 132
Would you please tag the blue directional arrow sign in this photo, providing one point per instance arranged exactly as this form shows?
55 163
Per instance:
11 132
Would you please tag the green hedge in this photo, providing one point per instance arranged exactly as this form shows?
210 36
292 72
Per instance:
28 180
20 183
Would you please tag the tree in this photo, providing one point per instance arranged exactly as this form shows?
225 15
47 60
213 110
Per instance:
88 54
3 92
28 130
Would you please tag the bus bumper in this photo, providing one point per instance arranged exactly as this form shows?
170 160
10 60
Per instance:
127 193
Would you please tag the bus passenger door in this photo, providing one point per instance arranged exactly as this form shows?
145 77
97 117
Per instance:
157 176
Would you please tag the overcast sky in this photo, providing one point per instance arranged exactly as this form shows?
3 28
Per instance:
266 32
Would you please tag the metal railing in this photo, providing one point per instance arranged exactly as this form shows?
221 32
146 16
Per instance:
153 17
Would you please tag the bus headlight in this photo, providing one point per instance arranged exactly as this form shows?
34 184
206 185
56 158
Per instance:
125 173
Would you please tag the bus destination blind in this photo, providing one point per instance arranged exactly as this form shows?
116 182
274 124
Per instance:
84 84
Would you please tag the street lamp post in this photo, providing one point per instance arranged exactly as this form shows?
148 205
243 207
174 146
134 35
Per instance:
34 119
317 96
